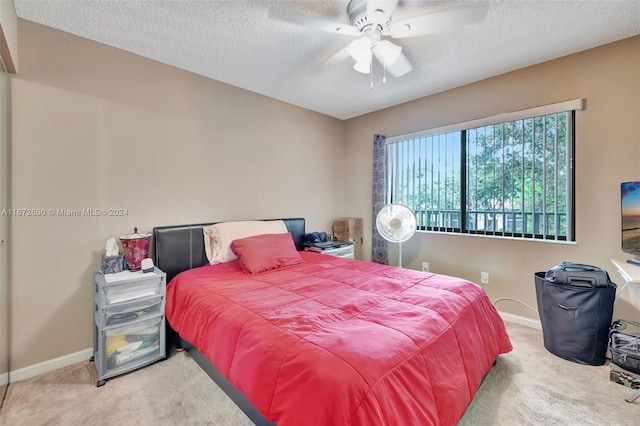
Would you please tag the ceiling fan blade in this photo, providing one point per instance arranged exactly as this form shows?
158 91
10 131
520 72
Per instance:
436 22
333 61
311 21
400 67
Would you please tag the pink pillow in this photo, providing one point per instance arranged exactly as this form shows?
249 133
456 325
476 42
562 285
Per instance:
265 252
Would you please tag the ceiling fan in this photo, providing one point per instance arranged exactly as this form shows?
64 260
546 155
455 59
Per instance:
372 21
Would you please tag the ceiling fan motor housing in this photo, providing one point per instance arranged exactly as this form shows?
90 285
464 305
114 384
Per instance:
357 10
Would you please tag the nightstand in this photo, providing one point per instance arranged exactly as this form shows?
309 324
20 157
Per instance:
342 251
129 322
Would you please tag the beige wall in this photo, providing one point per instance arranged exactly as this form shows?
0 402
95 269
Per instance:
97 127
607 153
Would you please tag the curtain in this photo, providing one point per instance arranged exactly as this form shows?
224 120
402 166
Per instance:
378 244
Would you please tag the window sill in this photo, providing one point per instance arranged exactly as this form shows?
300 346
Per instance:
499 237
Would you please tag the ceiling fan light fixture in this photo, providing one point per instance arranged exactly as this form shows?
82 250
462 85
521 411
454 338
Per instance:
360 49
400 66
363 65
387 52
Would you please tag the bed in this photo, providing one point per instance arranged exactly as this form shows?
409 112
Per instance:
321 340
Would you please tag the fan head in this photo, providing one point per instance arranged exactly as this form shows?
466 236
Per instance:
396 223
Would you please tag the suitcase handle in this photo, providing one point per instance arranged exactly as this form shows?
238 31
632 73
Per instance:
579 281
619 325
576 282
568 266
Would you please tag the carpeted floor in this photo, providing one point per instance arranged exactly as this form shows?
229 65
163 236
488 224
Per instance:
533 387
529 386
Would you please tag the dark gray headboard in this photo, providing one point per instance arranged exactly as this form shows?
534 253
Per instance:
180 248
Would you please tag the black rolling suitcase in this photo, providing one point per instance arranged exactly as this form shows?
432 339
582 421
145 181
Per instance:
575 304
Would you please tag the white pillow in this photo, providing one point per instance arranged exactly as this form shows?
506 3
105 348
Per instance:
218 237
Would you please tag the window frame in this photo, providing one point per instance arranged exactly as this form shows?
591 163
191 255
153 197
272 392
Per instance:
569 107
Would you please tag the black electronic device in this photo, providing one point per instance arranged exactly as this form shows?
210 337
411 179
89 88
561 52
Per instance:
633 262
316 237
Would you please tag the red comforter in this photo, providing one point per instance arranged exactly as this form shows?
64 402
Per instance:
335 341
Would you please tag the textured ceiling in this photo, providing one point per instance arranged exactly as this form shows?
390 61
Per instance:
235 42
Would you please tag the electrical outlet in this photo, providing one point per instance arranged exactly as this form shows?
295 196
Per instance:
484 278
425 266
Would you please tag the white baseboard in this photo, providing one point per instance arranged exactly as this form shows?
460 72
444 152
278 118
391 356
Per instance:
520 320
52 364
4 379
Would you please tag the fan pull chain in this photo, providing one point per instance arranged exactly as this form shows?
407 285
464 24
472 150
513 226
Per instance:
371 74
384 72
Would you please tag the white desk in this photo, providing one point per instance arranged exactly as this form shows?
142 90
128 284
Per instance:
631 275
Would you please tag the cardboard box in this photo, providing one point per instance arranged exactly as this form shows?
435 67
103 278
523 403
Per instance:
349 229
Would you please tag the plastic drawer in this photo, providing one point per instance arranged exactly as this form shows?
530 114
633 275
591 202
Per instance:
130 346
125 312
346 251
343 252
126 291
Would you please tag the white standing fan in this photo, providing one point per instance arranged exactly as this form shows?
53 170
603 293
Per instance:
396 223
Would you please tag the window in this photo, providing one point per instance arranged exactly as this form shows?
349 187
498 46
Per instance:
510 175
